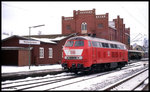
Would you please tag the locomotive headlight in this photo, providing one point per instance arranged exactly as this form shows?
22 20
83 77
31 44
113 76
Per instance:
80 57
65 57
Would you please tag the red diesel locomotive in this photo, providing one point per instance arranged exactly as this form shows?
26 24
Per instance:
90 53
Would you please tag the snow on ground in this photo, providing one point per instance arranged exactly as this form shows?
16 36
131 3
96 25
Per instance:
10 69
91 84
101 81
96 83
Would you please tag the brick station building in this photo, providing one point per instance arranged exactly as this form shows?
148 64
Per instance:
47 49
87 22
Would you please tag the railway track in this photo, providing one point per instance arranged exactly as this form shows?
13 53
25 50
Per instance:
120 85
34 82
53 82
87 78
36 78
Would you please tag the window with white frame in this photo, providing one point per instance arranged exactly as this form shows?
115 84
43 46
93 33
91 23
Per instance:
84 28
50 53
41 52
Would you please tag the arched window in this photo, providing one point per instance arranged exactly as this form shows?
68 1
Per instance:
84 27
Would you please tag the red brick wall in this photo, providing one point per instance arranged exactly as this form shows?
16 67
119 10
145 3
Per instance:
112 34
87 17
68 22
127 37
23 57
102 32
93 22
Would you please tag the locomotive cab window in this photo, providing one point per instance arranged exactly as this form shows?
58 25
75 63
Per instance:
69 44
79 43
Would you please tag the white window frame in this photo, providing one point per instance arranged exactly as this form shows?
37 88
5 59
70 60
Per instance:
84 26
50 50
41 52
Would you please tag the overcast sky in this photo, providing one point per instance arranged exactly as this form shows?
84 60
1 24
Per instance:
17 17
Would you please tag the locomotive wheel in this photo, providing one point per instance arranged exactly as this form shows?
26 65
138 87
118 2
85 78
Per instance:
107 66
76 72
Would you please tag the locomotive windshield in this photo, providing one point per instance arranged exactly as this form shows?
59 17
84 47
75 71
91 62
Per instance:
79 43
69 44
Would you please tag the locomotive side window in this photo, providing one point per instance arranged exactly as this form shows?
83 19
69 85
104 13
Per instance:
95 44
89 43
115 46
121 46
79 43
100 45
112 46
105 45
69 44
118 46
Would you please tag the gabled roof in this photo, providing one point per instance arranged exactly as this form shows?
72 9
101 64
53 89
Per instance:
27 38
43 38
14 36
54 38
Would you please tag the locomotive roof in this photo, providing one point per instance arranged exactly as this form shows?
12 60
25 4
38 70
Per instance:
95 39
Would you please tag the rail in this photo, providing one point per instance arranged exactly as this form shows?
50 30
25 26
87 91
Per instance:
115 85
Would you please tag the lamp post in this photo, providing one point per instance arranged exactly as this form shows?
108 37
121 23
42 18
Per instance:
30 42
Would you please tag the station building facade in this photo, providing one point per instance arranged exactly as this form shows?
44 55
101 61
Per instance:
86 22
47 49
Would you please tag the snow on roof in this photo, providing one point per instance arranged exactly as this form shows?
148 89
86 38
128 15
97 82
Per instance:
56 38
112 24
4 36
46 40
59 38
50 40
